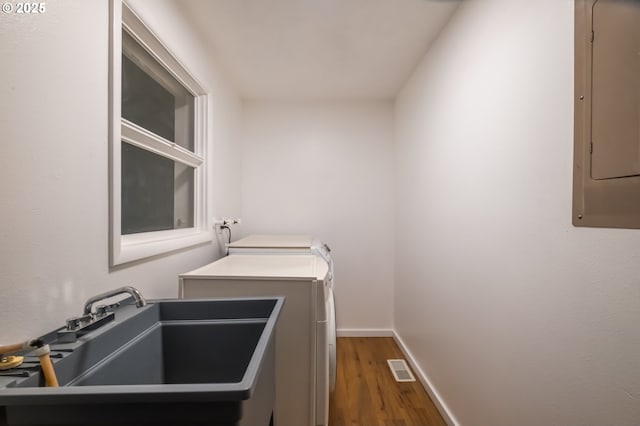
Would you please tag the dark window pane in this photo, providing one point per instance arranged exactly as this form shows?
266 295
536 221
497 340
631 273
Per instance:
184 196
145 102
152 97
157 193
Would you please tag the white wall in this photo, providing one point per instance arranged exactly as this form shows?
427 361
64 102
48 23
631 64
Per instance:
325 169
53 162
516 317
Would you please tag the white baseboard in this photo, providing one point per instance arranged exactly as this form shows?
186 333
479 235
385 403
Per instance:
426 383
364 332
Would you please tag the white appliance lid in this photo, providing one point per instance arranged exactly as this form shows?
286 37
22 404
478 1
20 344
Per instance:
307 267
273 241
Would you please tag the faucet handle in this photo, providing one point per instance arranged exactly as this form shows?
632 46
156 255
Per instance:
102 310
73 323
76 322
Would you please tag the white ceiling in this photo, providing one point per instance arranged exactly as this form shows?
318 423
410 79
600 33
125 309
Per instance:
318 49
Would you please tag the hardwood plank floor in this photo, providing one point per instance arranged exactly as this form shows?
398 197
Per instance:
367 394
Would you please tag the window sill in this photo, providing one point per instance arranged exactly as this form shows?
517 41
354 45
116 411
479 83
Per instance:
129 248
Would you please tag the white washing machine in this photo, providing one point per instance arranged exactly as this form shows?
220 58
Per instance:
274 243
302 349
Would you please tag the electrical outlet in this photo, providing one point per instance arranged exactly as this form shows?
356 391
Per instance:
218 223
230 221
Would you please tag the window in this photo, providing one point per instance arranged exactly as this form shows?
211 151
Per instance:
606 178
157 145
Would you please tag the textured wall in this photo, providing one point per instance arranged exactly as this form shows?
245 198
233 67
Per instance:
516 317
325 169
54 162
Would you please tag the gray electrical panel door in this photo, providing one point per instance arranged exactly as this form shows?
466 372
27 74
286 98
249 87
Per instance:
615 120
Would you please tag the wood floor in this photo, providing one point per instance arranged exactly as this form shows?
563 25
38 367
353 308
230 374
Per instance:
367 394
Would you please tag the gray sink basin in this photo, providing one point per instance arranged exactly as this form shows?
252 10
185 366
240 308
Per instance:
182 357
171 362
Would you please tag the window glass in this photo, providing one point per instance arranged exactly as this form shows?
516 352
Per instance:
156 194
183 211
145 102
152 98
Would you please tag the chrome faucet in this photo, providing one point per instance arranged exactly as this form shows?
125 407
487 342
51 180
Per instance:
77 326
140 302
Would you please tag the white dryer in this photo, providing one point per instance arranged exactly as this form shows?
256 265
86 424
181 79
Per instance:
283 244
302 351
300 244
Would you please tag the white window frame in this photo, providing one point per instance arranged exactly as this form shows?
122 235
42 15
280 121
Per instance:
132 247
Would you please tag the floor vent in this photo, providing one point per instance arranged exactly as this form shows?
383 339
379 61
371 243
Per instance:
400 370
